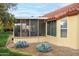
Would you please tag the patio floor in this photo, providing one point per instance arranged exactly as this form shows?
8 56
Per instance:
57 50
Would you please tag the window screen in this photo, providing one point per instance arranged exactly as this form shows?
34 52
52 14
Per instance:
51 28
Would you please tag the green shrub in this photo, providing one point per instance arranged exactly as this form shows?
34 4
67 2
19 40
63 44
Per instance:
44 47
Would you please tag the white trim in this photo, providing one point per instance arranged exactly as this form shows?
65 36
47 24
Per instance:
20 28
46 28
32 17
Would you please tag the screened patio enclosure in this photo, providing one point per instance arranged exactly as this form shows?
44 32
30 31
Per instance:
29 27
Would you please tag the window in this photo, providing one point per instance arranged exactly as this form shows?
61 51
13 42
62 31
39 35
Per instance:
51 28
63 28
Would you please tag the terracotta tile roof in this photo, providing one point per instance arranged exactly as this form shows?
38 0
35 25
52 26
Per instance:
63 12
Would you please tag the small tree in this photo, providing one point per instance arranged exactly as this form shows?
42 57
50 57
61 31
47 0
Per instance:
10 22
4 14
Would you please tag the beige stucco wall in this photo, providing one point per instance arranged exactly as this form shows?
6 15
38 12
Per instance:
72 40
36 39
78 32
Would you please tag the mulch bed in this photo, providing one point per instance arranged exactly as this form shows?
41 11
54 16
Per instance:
57 50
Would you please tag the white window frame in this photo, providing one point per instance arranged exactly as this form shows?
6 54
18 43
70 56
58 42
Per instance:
63 28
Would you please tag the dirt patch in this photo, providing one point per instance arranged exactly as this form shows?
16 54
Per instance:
57 50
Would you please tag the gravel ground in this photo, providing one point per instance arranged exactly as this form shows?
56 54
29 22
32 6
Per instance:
57 50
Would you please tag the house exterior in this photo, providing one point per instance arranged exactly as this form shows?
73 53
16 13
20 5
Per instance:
61 27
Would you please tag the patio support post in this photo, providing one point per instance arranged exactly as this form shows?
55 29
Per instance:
13 30
20 28
30 27
46 29
38 28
